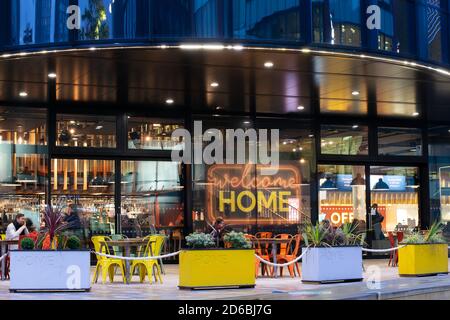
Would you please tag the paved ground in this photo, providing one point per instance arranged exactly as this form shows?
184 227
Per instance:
391 287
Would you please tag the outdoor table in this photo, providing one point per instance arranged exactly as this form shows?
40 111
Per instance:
274 242
3 249
126 246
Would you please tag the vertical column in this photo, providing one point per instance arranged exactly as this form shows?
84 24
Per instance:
51 129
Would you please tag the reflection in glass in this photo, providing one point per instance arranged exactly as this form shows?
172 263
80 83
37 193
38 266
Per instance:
152 197
399 142
86 189
337 22
342 194
396 191
23 166
344 140
153 134
86 131
266 19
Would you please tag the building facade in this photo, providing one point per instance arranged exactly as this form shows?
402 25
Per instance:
87 115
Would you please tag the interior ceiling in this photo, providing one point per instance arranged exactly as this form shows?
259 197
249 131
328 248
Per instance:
151 76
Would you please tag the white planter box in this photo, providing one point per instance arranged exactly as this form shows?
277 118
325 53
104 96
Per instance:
50 271
332 264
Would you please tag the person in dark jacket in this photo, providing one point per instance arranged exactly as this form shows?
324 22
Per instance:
72 218
377 220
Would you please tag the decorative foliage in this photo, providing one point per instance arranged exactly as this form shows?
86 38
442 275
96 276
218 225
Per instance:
27 244
325 235
237 240
200 241
54 224
432 236
73 243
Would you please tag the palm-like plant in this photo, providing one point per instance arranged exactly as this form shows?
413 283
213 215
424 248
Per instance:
54 221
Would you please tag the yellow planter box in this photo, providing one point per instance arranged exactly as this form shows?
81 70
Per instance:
423 260
217 268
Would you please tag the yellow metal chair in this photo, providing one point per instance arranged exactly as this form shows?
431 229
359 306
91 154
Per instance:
146 267
107 265
2 236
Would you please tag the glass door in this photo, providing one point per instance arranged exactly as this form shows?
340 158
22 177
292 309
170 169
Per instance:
342 194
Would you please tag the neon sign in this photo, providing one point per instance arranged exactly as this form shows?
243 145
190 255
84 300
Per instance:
243 194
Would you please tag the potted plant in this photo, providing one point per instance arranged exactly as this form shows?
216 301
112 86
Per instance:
424 254
54 262
204 266
333 254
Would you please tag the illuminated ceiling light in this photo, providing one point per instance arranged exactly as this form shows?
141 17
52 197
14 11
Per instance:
268 64
355 93
218 108
73 122
23 94
311 136
238 48
23 54
246 122
202 46
99 128
300 108
6 55
148 138
306 50
416 114
294 150
355 126
72 131
170 101
302 161
52 75
214 84
92 48
163 46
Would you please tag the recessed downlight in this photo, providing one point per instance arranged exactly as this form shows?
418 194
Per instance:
23 94
416 114
214 84
52 75
355 126
170 101
269 64
355 93
300 108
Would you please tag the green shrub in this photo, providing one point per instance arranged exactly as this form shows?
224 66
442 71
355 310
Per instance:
237 240
432 236
200 241
73 243
27 244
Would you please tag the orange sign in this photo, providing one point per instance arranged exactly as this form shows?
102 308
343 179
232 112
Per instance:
339 215
243 194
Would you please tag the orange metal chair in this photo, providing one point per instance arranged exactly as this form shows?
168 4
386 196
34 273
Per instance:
292 255
265 247
259 251
393 255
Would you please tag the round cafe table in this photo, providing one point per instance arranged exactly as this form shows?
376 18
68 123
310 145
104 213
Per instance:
274 242
126 246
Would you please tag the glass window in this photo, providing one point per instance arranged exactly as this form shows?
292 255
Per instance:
33 22
23 165
342 194
439 166
337 22
250 200
430 21
399 142
86 189
86 131
153 134
396 192
266 19
152 197
344 140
